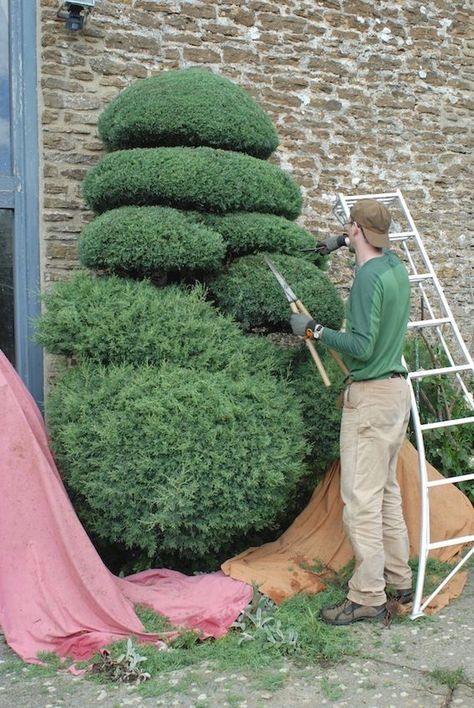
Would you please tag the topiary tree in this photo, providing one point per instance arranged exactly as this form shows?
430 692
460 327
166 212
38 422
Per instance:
178 432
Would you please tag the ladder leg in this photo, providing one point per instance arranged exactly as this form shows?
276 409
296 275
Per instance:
424 511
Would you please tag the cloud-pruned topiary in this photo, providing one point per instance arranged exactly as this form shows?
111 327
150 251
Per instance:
249 292
177 433
113 320
249 232
167 459
190 107
191 178
149 240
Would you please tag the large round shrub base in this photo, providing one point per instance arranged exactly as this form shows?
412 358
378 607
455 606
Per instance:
175 460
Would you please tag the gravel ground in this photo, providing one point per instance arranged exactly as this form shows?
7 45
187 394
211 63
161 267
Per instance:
392 669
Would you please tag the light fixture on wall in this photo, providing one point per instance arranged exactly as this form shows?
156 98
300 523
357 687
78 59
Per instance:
75 13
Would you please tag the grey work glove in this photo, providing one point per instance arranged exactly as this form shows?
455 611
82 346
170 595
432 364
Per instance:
300 324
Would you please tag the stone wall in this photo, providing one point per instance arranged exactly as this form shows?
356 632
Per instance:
366 97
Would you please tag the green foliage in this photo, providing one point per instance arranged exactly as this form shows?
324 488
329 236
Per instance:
319 406
124 668
176 460
187 107
450 677
151 620
305 637
248 232
149 240
249 292
294 628
257 622
191 178
450 449
317 641
115 320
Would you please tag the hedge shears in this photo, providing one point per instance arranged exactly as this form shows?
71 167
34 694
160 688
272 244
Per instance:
299 309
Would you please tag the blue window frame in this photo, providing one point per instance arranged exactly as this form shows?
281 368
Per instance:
19 214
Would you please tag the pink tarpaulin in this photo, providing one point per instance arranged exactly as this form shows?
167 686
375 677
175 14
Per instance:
56 595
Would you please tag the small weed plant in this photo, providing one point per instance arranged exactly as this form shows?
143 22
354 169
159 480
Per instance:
124 668
258 622
449 677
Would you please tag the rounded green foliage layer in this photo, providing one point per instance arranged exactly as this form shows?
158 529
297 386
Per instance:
321 416
175 460
320 411
248 232
249 292
191 178
187 107
149 240
113 320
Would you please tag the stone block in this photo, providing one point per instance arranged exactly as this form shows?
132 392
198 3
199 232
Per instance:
200 10
132 41
201 55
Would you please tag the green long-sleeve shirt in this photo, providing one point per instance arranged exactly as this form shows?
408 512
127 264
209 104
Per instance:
377 314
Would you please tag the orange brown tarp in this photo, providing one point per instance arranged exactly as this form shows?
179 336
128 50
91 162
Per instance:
317 536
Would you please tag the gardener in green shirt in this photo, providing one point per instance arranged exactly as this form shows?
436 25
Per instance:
375 416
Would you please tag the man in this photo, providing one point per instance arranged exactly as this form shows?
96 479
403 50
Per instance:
374 418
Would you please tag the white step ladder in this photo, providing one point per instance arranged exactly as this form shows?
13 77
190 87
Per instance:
435 317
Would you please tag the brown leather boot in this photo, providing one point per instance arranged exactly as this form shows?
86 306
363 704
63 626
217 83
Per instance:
402 596
349 612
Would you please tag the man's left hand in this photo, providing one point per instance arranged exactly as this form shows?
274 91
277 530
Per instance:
300 324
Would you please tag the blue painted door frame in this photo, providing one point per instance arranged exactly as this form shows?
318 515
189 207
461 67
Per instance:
21 192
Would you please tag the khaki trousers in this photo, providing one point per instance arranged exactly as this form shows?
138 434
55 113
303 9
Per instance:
374 422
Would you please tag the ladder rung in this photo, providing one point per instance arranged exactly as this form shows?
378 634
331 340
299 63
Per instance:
380 196
447 423
421 373
450 480
429 323
460 540
419 278
402 236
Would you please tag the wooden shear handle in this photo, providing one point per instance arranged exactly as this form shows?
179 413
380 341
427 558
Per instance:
302 309
298 309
